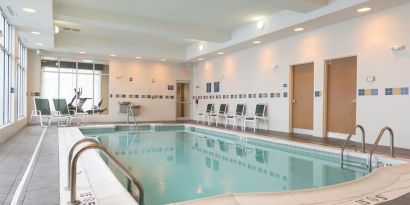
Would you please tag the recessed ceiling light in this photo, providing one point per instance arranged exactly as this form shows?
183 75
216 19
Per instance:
299 29
56 29
200 59
113 55
163 59
29 10
35 33
256 42
201 47
138 57
260 24
88 61
365 9
82 52
39 44
220 53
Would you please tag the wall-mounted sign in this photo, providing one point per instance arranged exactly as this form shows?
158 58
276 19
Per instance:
216 87
170 87
209 87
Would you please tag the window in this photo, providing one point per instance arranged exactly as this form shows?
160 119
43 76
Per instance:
5 73
21 80
83 85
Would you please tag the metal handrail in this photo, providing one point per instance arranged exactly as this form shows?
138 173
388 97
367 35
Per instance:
376 143
348 139
130 112
70 156
73 181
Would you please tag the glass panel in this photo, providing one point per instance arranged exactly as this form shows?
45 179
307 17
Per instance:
101 94
48 85
85 85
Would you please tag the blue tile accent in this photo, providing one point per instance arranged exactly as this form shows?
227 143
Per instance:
388 91
375 91
404 91
361 92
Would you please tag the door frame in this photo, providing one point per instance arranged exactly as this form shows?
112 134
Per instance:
291 93
325 91
188 117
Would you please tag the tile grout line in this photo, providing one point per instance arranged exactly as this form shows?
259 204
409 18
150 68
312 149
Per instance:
26 173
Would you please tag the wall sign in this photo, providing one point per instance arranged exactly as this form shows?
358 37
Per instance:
216 87
209 87
170 87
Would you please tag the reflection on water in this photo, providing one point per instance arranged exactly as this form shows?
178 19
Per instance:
178 165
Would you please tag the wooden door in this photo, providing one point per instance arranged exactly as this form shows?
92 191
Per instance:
302 101
341 94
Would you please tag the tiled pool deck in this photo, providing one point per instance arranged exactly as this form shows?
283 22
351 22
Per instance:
42 184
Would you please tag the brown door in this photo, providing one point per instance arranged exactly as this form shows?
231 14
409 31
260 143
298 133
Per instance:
341 94
302 102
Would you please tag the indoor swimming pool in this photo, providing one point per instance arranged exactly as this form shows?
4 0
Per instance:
178 163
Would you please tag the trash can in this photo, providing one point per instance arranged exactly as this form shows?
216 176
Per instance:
124 106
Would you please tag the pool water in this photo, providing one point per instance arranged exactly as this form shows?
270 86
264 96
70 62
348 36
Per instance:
188 164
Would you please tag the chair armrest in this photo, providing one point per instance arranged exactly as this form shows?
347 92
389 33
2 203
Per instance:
55 113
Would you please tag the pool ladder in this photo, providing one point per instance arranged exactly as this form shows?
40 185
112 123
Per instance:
72 170
342 160
131 113
372 150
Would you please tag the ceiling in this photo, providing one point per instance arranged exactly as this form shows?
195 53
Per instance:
156 29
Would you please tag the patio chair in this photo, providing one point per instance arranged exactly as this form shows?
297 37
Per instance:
42 110
61 106
206 113
260 114
223 110
237 116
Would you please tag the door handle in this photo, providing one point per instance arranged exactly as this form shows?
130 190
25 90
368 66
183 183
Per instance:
354 100
293 101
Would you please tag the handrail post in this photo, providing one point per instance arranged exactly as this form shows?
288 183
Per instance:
376 143
73 181
70 156
348 139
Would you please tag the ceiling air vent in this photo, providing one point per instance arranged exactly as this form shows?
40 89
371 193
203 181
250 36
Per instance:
11 11
71 29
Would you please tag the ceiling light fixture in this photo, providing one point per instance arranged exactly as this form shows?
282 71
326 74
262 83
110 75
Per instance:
35 33
39 44
82 52
56 29
163 59
200 59
220 53
138 57
113 55
256 42
298 29
260 24
29 10
201 47
364 9
88 61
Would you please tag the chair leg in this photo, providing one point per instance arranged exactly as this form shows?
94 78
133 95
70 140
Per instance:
254 126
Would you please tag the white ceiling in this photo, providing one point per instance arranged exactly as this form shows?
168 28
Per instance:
155 29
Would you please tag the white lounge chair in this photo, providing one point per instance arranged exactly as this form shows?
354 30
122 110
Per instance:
42 110
260 114
237 116
206 113
223 110
61 107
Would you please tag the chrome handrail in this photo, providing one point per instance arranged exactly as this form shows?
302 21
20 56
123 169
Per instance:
70 156
130 112
73 181
376 143
348 139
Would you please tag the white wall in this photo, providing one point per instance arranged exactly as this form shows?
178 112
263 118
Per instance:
369 37
149 78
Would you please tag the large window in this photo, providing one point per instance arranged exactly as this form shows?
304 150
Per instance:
83 85
5 73
21 80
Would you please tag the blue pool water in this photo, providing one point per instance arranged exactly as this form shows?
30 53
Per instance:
179 165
